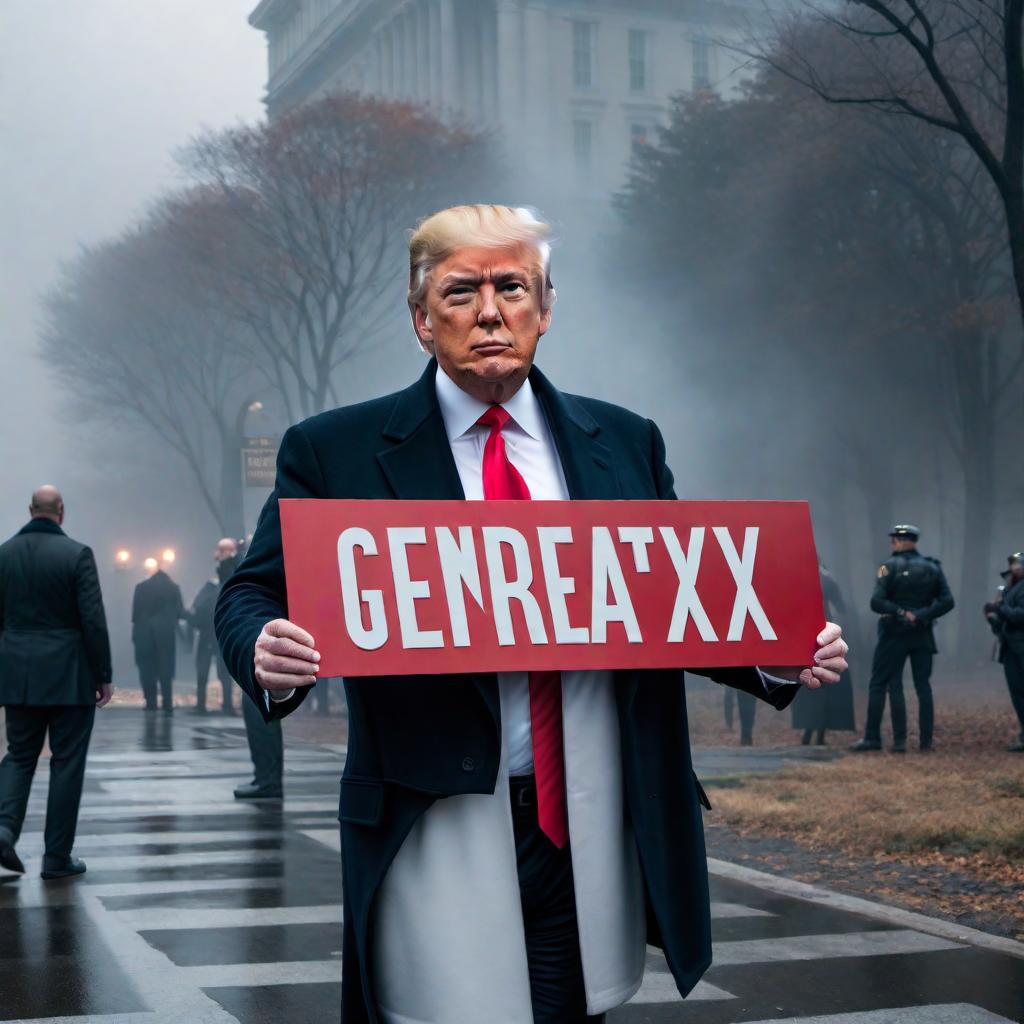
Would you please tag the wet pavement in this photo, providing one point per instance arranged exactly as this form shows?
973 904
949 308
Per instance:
200 909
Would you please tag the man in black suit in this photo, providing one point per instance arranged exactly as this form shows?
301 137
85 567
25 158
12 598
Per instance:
200 618
156 609
54 672
474 888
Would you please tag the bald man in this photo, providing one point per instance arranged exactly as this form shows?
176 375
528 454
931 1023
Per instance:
55 670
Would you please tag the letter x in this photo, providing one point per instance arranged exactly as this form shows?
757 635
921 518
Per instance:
687 601
742 569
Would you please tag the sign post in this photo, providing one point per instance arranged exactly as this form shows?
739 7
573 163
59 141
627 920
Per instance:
259 459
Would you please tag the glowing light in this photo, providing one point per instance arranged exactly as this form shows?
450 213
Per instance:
256 407
151 565
123 557
169 555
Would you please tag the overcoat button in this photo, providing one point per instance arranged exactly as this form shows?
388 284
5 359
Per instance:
468 764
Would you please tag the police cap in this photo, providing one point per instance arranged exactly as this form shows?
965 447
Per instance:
905 530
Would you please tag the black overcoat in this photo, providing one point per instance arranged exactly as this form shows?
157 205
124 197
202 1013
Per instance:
54 646
156 609
413 740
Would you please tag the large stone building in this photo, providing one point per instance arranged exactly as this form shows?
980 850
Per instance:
572 85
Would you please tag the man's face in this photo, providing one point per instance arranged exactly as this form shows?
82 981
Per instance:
225 549
483 318
899 544
1016 571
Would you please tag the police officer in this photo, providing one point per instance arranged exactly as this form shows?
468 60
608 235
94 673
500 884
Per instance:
911 592
1006 617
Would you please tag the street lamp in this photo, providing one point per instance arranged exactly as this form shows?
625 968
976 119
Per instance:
169 555
151 565
123 558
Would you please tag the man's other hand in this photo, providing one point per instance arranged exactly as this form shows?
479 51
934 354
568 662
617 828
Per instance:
285 656
829 661
103 694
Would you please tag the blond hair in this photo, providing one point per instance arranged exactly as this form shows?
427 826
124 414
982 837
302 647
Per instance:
440 234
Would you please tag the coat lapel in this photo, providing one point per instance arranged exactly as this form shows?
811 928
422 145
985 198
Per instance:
418 461
586 462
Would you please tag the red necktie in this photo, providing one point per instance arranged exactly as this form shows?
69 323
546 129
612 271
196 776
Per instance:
503 481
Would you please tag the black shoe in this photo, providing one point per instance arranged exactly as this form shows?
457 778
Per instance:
253 791
926 748
198 710
228 710
746 741
8 858
62 869
863 745
1016 748
168 710
899 746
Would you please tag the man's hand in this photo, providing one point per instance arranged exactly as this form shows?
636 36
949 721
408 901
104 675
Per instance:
103 694
829 661
285 657
908 615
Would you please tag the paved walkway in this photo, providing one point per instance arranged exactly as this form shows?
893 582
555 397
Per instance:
199 909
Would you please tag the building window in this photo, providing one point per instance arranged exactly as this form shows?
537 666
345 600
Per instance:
701 65
637 60
582 54
639 135
583 145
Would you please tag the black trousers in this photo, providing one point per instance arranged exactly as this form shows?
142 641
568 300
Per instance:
890 656
747 704
150 678
206 651
549 917
1013 667
70 728
266 744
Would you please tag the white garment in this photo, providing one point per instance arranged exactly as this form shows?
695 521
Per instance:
449 945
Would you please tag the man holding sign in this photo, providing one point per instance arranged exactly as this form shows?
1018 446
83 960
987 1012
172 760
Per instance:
519 814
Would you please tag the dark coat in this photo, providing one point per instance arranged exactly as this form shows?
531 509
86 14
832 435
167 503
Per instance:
829 707
156 609
413 740
909 581
1008 624
200 613
54 646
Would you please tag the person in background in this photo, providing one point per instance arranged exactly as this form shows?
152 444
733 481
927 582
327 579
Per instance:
832 706
748 711
55 671
1006 617
200 617
911 592
156 609
266 741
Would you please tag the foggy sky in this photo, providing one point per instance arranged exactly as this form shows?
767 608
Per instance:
94 98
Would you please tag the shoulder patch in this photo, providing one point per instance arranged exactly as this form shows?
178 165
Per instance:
883 571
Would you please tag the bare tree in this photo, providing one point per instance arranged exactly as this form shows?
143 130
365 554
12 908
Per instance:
125 335
956 65
299 227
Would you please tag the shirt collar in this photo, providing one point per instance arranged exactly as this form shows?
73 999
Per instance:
460 411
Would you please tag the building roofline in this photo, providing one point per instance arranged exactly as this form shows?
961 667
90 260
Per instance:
267 11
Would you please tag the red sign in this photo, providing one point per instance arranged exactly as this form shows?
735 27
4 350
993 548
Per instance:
424 587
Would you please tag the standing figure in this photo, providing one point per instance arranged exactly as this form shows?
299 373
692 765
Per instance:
156 609
830 707
1006 617
911 592
748 711
54 672
510 842
200 617
266 741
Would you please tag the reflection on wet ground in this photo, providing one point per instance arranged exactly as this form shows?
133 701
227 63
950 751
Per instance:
200 908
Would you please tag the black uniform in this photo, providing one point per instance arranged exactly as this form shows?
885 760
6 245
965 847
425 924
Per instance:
54 657
200 617
908 581
830 707
156 609
1007 623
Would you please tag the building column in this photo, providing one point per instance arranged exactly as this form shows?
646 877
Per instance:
448 68
423 90
509 100
536 74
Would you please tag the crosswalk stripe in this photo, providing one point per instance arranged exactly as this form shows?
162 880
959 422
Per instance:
146 1017
297 972
946 1013
660 987
85 841
722 911
142 809
184 860
32 894
167 919
824 947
